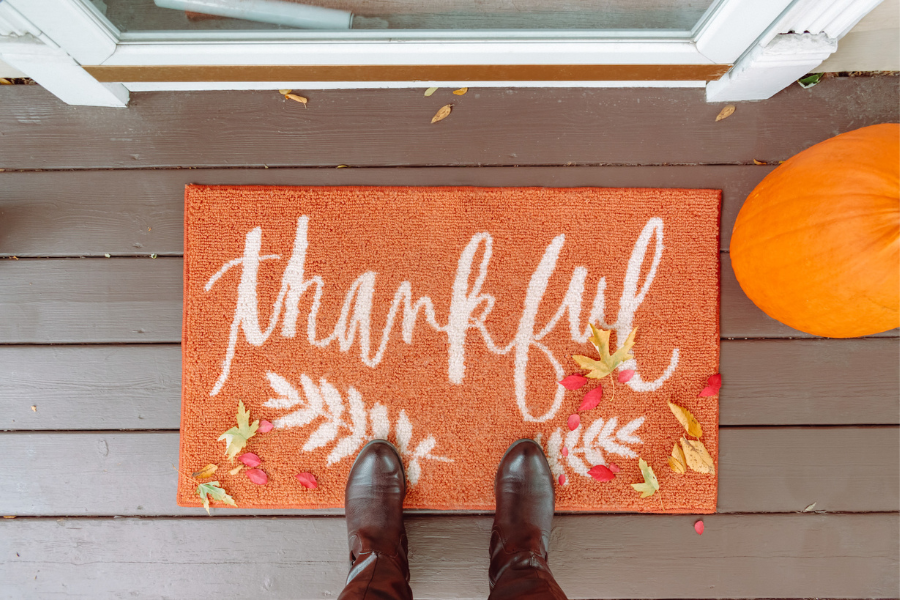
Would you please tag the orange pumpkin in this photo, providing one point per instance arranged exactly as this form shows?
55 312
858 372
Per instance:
817 243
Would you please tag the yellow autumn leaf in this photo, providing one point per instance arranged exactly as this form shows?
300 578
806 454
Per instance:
677 461
297 98
205 472
285 92
697 457
725 112
608 362
759 162
236 470
442 113
236 437
650 485
460 91
430 91
687 420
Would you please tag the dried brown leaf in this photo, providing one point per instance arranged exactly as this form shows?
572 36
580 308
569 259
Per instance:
460 91
725 112
206 472
759 162
698 459
297 98
442 113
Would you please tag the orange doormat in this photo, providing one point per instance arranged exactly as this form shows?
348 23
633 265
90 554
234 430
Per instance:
441 318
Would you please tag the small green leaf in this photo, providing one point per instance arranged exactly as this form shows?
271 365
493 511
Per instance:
810 80
650 485
236 437
212 490
430 91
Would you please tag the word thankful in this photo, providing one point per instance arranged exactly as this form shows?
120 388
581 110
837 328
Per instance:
469 309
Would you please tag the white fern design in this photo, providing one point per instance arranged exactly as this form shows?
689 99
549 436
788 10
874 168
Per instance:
324 402
600 438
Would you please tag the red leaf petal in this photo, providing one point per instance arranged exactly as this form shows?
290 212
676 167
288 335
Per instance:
614 467
626 375
601 473
565 451
712 386
308 480
698 527
574 422
592 398
562 479
265 427
256 476
573 382
250 459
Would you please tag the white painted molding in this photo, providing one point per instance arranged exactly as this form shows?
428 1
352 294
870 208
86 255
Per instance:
735 26
769 69
58 73
71 25
797 42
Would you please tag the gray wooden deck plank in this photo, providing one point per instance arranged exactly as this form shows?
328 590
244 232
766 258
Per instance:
489 126
767 382
783 469
139 300
128 212
612 556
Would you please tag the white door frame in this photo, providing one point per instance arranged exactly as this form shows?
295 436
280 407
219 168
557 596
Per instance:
755 35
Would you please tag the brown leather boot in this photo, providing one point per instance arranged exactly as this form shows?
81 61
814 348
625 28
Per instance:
521 534
374 507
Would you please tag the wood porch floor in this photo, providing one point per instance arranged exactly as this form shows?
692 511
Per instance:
90 356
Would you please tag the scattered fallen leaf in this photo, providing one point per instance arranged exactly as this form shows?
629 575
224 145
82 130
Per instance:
297 98
810 80
265 427
34 408
565 451
214 491
626 375
759 162
562 479
810 508
258 477
308 480
650 485
687 420
712 385
607 362
10 517
285 92
442 113
206 472
236 437
250 459
698 527
573 382
107 255
725 112
592 398
460 91
236 470
5 81
573 422
677 461
153 256
614 467
430 91
697 457
341 167
601 473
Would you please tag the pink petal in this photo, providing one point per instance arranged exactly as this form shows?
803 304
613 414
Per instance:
592 398
712 386
256 476
565 451
250 459
601 473
308 480
562 479
574 422
626 375
573 382
698 527
614 467
265 427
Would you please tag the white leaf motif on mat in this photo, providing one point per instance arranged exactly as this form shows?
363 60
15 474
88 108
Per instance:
324 401
593 446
